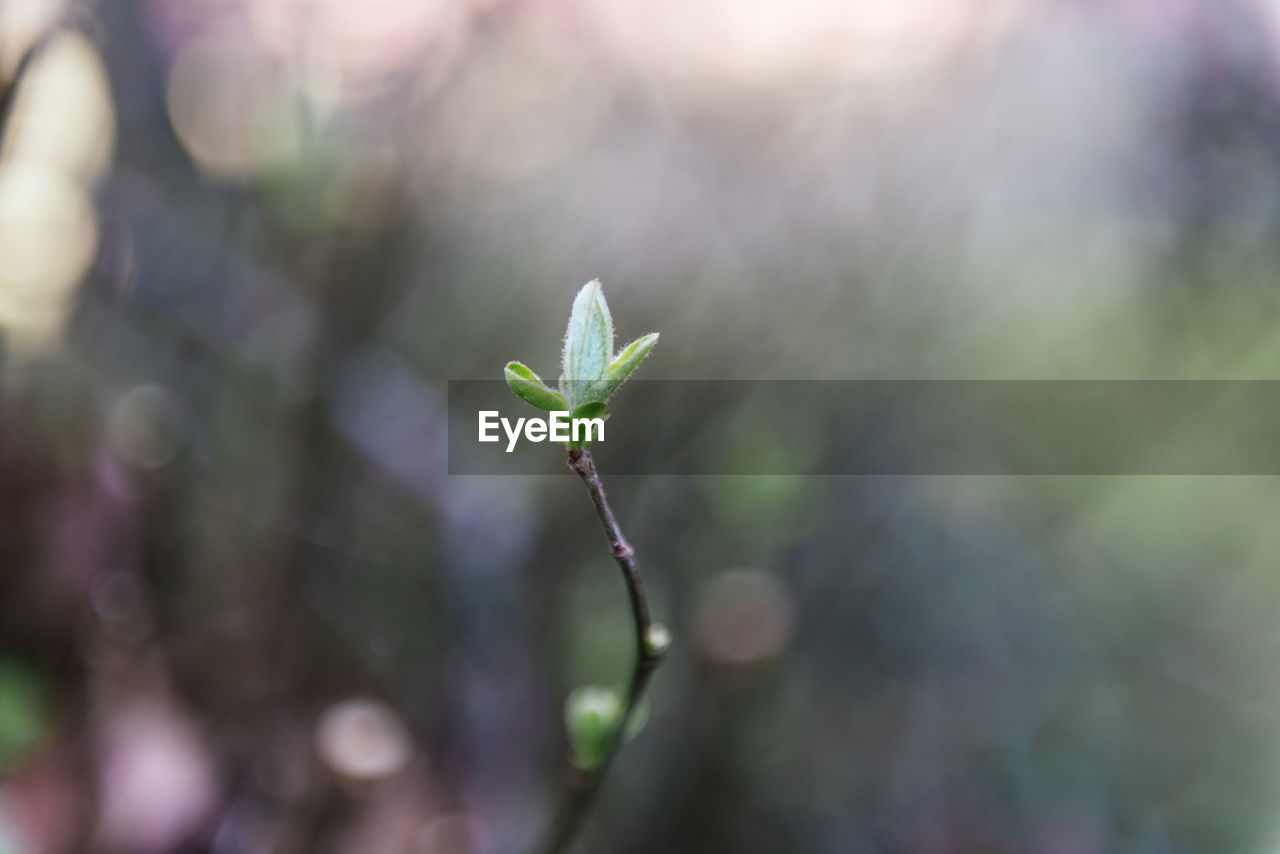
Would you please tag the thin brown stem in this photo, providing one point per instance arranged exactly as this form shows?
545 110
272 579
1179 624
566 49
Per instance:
582 791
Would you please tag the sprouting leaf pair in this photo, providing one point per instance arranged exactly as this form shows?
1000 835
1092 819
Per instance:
590 371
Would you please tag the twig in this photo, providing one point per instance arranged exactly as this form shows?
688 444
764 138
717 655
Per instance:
649 652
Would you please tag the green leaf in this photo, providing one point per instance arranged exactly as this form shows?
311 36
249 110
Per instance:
529 387
588 343
627 360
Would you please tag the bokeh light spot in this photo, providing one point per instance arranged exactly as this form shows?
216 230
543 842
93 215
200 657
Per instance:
48 234
231 106
365 41
362 741
158 781
145 427
22 23
743 616
62 115
755 42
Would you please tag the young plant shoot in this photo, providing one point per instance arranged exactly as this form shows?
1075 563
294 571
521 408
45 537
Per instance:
598 718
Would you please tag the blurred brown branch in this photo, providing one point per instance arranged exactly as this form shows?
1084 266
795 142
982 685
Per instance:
583 790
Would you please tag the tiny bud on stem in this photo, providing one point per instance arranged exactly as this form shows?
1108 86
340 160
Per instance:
657 640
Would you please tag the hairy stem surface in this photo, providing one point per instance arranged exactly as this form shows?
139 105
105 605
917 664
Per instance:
584 787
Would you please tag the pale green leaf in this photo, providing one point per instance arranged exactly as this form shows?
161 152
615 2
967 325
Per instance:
588 343
627 360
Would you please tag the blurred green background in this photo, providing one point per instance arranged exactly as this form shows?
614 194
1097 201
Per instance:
244 244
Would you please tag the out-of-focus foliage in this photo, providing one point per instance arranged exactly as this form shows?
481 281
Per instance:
25 715
244 244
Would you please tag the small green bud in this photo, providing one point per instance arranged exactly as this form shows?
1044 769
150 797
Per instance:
657 640
589 375
529 387
591 714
